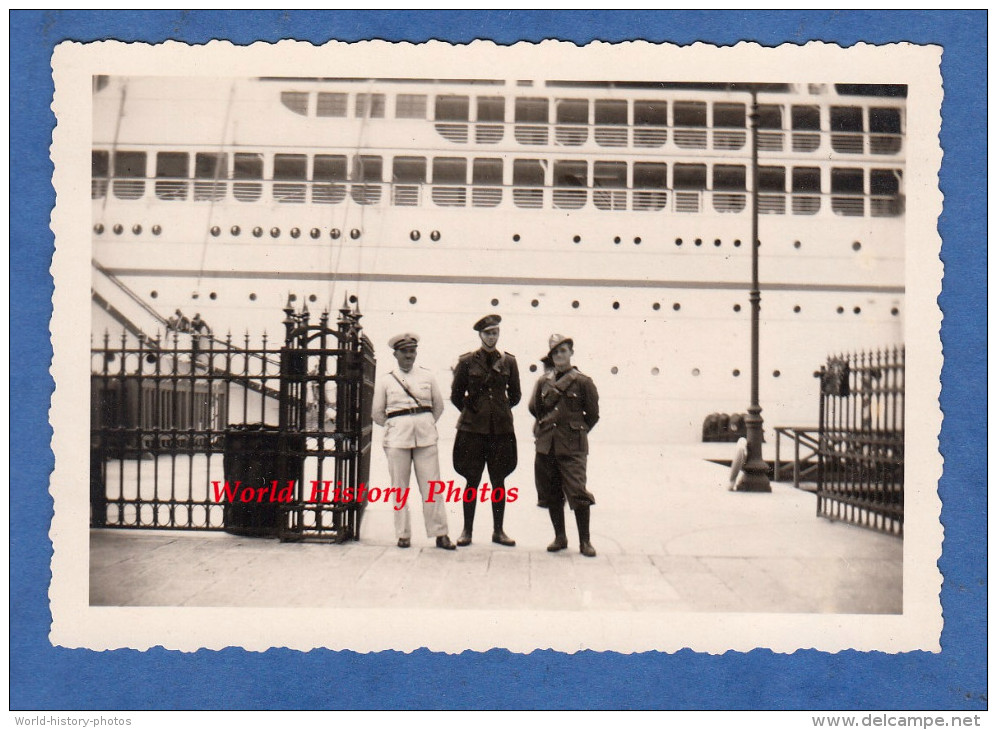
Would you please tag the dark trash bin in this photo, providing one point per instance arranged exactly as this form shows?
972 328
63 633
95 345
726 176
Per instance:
255 456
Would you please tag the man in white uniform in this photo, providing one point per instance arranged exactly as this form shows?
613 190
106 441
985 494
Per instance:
408 403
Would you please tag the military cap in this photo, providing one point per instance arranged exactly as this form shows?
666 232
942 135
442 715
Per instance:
556 340
406 339
486 322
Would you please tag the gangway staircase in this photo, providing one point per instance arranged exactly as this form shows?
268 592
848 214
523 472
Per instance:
806 444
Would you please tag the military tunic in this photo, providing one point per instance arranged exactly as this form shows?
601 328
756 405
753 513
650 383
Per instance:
566 406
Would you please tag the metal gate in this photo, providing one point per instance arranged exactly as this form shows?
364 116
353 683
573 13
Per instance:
861 440
176 420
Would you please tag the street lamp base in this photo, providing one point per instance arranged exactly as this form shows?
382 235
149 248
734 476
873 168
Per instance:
756 478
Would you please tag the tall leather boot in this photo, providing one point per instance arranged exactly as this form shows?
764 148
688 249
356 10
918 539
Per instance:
470 502
498 517
557 520
584 540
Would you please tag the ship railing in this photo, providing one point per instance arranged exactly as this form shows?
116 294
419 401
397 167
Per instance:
571 199
848 205
328 193
450 196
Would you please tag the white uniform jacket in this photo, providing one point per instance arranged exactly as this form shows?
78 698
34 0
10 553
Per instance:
412 430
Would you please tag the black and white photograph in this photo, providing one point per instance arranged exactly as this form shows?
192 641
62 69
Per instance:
617 347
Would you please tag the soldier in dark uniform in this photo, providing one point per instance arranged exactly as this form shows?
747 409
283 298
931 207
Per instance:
485 389
566 406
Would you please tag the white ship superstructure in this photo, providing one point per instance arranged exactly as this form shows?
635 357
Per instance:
617 213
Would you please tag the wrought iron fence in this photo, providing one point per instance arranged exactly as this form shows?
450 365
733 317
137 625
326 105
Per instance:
198 433
861 440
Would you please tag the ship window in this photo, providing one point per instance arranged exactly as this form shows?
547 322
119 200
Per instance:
728 177
247 166
769 116
410 106
370 106
884 182
290 168
846 119
571 174
129 169
491 109
210 166
531 110
609 175
572 111
296 101
452 108
690 114
487 171
610 111
329 168
449 171
330 105
689 177
772 179
411 170
527 172
806 118
99 160
650 175
806 179
367 168
172 165
884 120
651 113
847 180
728 115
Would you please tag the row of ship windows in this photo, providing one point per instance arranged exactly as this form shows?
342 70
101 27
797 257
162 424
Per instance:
614 185
622 123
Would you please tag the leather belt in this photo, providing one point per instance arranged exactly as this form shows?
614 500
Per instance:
410 411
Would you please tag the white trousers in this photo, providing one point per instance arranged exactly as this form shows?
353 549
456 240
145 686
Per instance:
427 467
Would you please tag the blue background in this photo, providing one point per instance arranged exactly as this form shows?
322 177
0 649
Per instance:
43 677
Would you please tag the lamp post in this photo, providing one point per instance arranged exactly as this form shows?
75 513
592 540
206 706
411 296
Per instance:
755 469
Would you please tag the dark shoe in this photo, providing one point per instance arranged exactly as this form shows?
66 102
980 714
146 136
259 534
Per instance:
443 541
586 549
560 542
502 539
404 542
464 540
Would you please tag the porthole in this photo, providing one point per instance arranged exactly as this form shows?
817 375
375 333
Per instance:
737 243
577 239
515 237
575 304
678 241
292 297
216 231
736 373
796 244
157 229
676 306
315 233
656 306
195 295
895 311
150 358
154 294
435 235
841 310
136 229
257 231
213 296
412 300
776 373
617 239
699 241
614 370
295 232
353 299
716 243
312 298
797 309
274 232
535 303
355 233
737 307
637 240
533 368
616 305
857 310
118 228
234 230
495 302
335 233
99 228
856 246
695 372
655 371
252 297
415 235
